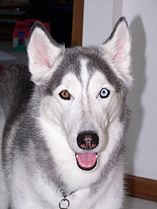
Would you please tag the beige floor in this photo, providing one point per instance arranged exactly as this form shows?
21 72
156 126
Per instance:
135 203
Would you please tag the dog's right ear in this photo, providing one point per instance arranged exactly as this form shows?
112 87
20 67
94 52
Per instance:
44 54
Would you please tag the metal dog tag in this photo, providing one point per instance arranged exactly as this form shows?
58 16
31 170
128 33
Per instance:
64 203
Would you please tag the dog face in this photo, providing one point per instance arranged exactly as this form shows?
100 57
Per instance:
83 93
84 106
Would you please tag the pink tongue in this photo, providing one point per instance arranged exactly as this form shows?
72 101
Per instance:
86 160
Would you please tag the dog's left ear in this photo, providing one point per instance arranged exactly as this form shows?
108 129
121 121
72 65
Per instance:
43 54
116 51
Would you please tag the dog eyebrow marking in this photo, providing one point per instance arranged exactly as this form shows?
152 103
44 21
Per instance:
77 59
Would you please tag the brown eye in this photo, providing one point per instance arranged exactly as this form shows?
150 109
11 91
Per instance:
65 95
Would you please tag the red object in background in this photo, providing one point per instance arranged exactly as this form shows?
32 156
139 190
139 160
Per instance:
22 31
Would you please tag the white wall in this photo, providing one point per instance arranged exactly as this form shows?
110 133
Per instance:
97 23
142 137
141 155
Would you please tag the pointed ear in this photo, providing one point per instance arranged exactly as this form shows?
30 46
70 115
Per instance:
116 51
43 53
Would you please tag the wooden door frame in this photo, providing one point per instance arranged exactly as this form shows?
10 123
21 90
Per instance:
77 23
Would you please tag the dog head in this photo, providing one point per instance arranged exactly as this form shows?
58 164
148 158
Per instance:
82 94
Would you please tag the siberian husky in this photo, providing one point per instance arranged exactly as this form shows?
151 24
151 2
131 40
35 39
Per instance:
63 124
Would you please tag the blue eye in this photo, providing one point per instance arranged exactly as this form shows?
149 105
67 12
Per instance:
104 93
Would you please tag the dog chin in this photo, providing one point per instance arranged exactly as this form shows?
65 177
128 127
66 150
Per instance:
86 161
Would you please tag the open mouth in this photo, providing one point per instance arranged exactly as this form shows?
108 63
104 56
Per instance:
86 161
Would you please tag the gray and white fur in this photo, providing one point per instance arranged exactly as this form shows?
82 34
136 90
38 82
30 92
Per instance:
62 124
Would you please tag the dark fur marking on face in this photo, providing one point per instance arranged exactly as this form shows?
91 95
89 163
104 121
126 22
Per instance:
71 63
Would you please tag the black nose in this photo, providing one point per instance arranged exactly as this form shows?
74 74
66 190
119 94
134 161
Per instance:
87 140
